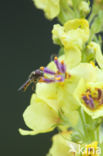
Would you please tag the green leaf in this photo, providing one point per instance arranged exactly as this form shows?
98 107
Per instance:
97 25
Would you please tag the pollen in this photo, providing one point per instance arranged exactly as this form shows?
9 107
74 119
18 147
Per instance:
88 94
58 78
42 68
62 62
55 58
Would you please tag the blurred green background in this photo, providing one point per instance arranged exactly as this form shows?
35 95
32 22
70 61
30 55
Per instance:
25 45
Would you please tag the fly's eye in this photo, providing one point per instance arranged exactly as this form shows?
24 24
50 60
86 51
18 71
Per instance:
39 72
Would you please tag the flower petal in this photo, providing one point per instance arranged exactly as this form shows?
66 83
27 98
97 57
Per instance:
50 7
85 71
39 116
49 93
73 33
62 146
76 33
72 57
96 50
79 91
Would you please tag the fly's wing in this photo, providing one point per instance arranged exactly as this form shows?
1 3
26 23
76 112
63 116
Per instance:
25 85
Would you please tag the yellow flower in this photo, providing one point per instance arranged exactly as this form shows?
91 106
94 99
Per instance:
57 32
95 50
86 71
84 7
39 117
91 150
74 33
89 90
58 95
54 100
90 97
53 103
72 36
51 7
62 146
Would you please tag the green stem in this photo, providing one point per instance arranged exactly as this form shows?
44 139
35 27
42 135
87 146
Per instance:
90 134
66 12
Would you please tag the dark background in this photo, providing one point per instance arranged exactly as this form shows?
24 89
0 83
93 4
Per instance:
25 44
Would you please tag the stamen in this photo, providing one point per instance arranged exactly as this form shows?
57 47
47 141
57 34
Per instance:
58 64
99 94
55 58
63 67
58 78
101 101
88 94
48 71
62 62
47 80
89 101
42 68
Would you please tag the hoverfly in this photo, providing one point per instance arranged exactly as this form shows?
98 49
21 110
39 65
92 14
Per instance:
34 77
